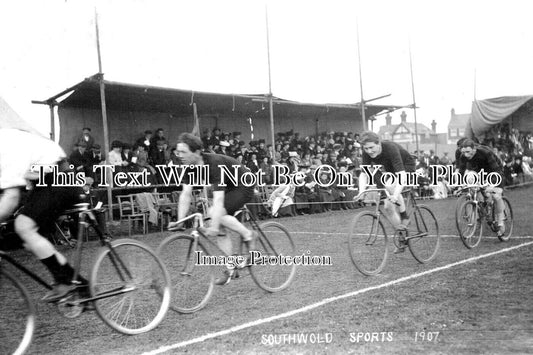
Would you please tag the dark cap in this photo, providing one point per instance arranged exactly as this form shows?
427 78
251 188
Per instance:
96 147
116 144
86 129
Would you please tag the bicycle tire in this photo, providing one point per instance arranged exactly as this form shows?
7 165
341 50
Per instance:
273 240
424 243
141 263
368 251
16 302
469 224
189 294
507 220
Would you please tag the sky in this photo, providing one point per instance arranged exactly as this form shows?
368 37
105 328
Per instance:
458 48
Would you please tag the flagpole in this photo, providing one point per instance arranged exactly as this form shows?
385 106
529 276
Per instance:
270 101
360 78
104 114
414 100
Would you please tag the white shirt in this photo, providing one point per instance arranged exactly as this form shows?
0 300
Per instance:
19 150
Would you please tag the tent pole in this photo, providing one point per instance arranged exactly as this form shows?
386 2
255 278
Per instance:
104 115
361 79
52 121
414 100
270 101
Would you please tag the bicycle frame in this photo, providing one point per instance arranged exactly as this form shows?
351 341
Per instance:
86 218
410 201
198 220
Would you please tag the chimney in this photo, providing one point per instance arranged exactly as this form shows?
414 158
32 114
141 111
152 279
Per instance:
388 119
403 116
453 112
434 126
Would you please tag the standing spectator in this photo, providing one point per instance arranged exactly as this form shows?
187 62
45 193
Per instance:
266 168
253 164
85 137
159 136
445 159
145 140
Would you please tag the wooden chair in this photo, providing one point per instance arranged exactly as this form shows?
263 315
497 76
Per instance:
166 207
130 212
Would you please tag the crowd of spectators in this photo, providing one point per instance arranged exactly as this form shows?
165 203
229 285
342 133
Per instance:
340 150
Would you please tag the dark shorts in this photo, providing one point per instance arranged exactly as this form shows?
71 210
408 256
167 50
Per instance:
235 199
45 204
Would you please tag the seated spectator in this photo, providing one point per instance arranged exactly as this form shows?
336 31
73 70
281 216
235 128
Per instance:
127 155
281 201
81 159
114 157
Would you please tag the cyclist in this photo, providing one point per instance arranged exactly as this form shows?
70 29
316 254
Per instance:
476 157
393 159
19 151
226 199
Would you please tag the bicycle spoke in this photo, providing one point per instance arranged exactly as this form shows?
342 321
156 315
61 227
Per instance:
274 240
135 304
424 241
367 243
192 285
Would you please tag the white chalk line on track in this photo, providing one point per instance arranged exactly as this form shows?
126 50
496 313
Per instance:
442 235
327 301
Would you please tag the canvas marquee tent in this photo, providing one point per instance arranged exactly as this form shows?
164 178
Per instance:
489 112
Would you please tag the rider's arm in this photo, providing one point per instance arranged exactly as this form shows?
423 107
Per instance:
184 202
217 210
363 182
9 202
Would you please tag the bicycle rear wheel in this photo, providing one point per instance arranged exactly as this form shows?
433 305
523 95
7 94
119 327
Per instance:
17 315
137 286
192 283
368 243
424 237
469 224
266 270
507 220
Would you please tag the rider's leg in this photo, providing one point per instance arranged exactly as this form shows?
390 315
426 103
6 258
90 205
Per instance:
495 193
397 219
54 261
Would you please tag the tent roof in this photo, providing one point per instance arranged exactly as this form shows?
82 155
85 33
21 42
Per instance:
10 119
489 112
132 97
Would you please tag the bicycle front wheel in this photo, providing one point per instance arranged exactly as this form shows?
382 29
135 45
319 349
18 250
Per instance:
268 269
133 285
424 237
368 243
507 220
192 281
469 224
17 315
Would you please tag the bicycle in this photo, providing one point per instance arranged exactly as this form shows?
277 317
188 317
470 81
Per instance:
368 240
470 213
193 281
125 271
